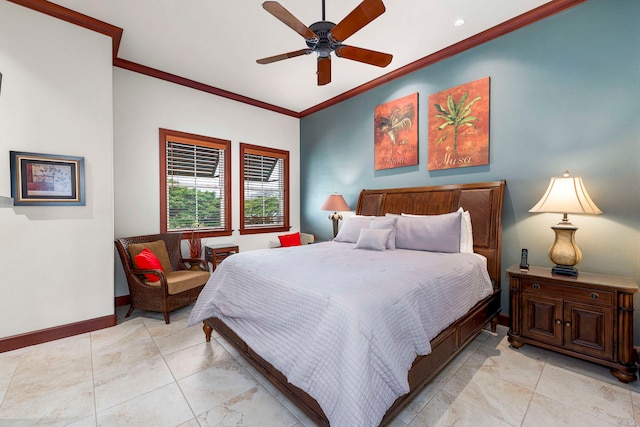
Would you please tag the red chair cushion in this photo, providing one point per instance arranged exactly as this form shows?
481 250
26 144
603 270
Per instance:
146 260
290 239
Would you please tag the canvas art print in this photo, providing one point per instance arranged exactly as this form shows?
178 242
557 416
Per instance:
396 133
459 126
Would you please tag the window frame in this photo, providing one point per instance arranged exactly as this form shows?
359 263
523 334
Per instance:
203 141
268 152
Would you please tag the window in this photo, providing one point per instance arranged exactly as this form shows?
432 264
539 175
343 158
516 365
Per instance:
264 201
195 184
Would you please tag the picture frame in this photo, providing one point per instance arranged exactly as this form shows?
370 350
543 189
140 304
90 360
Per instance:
395 142
46 179
459 126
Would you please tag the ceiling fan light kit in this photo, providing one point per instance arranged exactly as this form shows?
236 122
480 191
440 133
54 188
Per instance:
324 37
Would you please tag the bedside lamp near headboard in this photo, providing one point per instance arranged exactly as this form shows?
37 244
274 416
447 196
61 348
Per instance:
335 202
566 195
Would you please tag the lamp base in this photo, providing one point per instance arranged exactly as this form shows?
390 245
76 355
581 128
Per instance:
335 217
335 227
565 270
564 252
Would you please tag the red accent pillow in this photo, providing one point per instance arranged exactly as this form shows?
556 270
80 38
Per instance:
290 240
146 260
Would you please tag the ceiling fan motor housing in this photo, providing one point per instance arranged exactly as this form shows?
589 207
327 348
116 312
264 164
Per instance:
325 44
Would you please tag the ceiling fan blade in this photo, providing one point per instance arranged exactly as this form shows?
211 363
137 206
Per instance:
282 56
324 70
364 13
364 55
277 10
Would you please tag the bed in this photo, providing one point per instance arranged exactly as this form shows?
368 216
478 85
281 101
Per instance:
483 201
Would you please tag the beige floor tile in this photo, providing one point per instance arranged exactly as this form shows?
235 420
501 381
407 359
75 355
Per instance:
215 385
163 407
49 354
446 410
254 407
550 413
635 400
595 397
487 392
277 394
4 386
110 362
158 327
120 337
191 423
84 422
131 380
196 358
419 402
583 367
60 407
9 363
34 383
179 339
505 362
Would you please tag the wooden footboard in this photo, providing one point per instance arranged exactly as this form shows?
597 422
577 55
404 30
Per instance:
444 348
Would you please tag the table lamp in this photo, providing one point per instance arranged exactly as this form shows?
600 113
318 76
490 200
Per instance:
335 202
566 195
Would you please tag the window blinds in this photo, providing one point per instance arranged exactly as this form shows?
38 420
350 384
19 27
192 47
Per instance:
195 186
264 190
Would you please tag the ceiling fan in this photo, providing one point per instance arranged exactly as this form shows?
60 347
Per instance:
324 37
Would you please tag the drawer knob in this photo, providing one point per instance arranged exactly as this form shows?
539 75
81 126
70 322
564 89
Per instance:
594 295
568 324
558 321
535 286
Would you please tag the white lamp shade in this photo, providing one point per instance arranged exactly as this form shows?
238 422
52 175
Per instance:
335 202
566 195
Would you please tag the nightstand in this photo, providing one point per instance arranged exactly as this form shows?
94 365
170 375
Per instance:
215 254
589 316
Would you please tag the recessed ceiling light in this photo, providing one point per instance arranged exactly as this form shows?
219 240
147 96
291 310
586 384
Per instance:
459 22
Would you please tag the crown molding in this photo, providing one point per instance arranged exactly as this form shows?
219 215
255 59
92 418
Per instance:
548 9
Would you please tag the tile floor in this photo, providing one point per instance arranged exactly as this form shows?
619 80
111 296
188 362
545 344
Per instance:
145 373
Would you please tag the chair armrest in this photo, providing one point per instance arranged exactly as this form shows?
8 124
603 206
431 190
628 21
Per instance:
204 265
159 273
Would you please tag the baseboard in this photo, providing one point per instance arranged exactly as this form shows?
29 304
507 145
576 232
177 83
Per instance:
123 300
51 334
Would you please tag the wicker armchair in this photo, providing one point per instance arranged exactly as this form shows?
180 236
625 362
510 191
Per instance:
179 284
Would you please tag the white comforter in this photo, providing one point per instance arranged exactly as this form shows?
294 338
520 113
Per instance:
343 324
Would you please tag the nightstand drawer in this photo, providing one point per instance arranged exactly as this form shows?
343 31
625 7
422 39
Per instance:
593 296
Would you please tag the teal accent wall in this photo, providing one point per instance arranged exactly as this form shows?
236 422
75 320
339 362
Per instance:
565 95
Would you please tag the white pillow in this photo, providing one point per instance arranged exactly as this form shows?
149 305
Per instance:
434 233
466 231
386 223
350 230
373 239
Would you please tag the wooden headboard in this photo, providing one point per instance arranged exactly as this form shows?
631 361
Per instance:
483 201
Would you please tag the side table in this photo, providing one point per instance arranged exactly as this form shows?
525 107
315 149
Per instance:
215 254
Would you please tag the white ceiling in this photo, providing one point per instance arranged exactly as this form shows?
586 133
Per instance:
217 42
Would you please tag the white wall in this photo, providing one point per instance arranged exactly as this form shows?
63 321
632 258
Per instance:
56 263
142 105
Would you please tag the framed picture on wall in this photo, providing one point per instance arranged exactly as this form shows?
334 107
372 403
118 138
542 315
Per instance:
459 126
47 179
396 133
